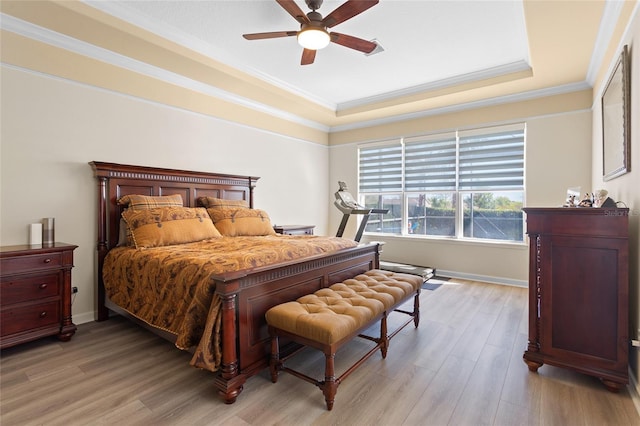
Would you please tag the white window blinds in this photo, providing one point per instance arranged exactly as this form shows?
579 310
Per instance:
380 168
430 163
491 161
486 159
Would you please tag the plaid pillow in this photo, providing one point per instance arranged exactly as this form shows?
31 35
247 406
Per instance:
143 202
220 203
146 202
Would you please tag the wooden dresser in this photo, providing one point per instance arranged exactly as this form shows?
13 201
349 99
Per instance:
35 293
579 291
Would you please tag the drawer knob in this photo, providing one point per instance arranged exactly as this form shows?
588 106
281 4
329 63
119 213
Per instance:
43 314
47 260
43 286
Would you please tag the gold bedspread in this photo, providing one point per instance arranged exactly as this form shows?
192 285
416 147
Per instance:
170 287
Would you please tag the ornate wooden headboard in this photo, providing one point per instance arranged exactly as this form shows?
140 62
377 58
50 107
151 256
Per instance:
117 180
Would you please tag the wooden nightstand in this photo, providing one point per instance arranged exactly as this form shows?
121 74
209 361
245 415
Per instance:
35 293
294 229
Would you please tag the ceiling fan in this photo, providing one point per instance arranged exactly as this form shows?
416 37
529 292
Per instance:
313 34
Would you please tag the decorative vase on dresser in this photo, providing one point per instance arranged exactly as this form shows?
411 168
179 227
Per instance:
579 291
35 293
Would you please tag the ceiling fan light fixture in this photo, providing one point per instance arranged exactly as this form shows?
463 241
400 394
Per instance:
313 38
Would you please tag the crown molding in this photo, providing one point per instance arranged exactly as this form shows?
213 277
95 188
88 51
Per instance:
485 74
610 16
52 38
499 100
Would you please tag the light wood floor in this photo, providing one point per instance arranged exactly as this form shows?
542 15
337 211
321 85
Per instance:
462 366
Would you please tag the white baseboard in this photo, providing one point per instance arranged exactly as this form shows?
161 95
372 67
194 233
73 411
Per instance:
83 317
483 278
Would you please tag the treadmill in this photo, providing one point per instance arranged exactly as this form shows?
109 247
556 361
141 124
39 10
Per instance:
349 206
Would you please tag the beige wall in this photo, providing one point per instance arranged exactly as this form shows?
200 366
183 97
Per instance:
558 155
625 188
52 128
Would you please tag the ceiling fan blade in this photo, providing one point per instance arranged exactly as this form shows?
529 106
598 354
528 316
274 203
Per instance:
294 10
353 42
346 11
275 34
308 56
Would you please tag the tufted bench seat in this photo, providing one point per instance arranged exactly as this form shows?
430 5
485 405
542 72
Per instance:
331 317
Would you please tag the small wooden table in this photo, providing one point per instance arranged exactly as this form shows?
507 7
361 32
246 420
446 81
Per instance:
294 229
35 293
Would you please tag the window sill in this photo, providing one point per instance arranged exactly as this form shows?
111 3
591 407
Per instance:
448 240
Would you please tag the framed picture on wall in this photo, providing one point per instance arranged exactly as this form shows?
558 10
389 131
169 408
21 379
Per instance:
616 120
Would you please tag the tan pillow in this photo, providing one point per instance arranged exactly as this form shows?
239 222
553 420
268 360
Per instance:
166 226
236 222
145 202
220 203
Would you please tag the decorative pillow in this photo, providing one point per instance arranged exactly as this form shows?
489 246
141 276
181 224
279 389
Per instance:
169 225
221 203
236 222
145 202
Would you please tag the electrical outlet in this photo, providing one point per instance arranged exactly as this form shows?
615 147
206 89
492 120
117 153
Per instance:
74 290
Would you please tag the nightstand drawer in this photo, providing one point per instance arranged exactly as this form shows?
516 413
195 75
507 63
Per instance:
33 262
24 318
29 288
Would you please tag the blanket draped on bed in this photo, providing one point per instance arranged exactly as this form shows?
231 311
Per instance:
171 288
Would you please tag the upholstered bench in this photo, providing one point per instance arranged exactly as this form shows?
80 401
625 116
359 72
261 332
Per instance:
331 317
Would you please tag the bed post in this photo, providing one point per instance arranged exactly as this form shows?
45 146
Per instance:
228 381
102 247
252 185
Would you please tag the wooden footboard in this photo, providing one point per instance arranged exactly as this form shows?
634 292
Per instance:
246 295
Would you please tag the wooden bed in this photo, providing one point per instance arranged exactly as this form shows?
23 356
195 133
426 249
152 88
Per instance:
247 294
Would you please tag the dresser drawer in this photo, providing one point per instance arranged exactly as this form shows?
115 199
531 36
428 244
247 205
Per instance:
22 289
33 262
29 317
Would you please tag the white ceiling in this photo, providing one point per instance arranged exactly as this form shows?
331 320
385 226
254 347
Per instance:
427 43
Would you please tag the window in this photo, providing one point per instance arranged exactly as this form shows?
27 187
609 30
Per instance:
380 185
465 184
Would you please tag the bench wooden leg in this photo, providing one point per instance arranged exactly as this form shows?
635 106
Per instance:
330 385
275 358
384 338
416 309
